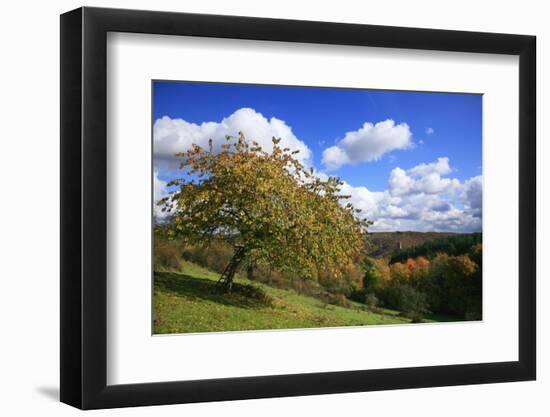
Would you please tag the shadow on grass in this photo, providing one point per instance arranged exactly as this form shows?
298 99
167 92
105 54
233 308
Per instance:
244 296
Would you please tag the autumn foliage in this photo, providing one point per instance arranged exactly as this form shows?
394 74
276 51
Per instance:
444 284
267 206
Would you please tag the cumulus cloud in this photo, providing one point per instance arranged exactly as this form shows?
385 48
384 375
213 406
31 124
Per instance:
177 135
421 199
442 207
423 178
368 143
434 184
441 166
369 202
429 131
473 193
159 187
159 191
423 212
400 183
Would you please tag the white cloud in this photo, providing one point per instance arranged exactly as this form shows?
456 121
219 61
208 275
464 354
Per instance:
441 166
473 193
420 199
400 183
385 225
396 212
422 212
177 135
434 184
423 178
334 157
159 187
368 143
362 198
429 131
159 191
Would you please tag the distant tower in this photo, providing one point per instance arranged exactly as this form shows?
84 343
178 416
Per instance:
400 245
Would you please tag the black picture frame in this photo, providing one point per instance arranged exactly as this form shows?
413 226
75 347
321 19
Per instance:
84 207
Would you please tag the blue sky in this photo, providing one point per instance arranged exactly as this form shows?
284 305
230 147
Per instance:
404 148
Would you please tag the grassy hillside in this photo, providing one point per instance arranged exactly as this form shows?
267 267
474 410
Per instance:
383 244
187 302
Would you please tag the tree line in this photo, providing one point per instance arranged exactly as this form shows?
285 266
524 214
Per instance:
443 284
456 245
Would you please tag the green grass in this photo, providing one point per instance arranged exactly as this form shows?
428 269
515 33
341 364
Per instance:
186 302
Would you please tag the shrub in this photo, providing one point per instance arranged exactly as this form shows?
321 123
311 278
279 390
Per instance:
253 292
371 301
403 297
166 256
358 295
334 299
335 286
215 256
354 275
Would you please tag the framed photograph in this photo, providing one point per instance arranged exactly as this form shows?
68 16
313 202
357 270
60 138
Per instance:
257 208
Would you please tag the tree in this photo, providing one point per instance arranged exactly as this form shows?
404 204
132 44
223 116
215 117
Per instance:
451 245
371 277
402 296
400 272
268 206
453 287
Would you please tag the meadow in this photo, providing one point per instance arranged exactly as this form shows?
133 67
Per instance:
185 301
425 285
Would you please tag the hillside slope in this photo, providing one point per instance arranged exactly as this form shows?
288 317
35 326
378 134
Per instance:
383 244
186 302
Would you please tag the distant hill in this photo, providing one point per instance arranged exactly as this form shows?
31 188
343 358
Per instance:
460 244
383 244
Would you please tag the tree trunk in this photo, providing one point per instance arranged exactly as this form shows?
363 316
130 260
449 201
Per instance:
225 283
